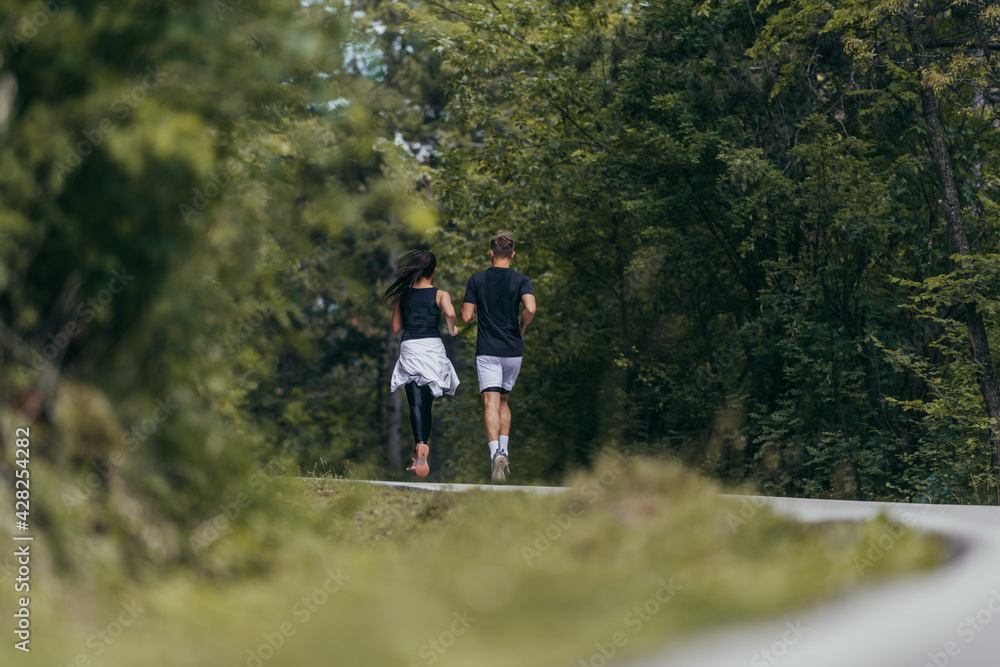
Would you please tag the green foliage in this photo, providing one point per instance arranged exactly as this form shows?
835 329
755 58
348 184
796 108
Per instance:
727 210
220 160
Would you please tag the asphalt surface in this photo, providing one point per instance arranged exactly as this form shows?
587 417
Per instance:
431 486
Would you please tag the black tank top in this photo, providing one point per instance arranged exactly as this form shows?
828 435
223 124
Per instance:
421 315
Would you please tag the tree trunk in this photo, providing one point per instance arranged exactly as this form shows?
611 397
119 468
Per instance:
394 452
978 340
623 292
395 409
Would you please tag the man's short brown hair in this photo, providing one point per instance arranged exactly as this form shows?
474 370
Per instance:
502 246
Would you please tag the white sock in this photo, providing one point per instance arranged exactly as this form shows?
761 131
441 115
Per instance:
494 446
504 439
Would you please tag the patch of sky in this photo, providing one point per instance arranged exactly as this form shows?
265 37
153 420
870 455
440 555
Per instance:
363 55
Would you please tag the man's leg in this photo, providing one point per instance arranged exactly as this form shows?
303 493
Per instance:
490 372
504 423
511 368
492 418
498 459
504 415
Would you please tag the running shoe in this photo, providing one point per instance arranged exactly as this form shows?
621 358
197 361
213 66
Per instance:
499 467
419 462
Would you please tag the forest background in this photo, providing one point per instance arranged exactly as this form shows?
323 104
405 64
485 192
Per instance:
763 240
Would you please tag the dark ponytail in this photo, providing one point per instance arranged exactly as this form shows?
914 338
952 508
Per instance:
413 266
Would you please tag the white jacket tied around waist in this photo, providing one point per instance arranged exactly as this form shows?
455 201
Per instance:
423 360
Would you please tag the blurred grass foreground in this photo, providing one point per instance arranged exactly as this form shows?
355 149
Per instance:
635 555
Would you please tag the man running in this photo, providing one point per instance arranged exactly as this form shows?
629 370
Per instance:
495 295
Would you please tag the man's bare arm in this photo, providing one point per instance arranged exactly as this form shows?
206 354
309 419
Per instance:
529 311
468 312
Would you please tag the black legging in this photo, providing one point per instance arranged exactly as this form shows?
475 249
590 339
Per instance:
420 398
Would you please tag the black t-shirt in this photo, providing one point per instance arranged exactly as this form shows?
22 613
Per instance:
496 293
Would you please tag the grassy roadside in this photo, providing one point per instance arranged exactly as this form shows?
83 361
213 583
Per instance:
637 553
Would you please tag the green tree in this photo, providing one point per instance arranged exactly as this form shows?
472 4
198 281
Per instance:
728 218
936 61
169 169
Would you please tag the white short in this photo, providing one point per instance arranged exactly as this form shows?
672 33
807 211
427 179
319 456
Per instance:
497 373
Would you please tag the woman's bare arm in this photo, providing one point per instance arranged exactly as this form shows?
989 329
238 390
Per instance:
397 320
444 302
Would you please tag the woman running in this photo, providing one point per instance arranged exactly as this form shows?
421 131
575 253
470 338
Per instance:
423 367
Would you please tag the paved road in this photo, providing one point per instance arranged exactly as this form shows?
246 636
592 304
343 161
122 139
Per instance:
430 486
949 617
